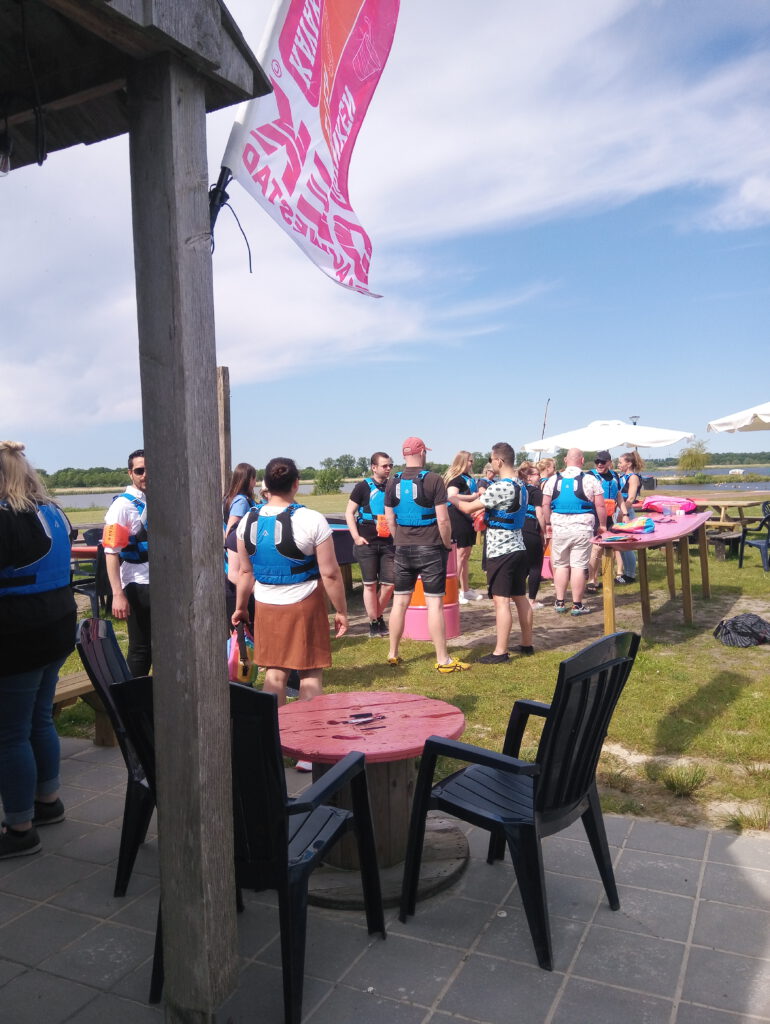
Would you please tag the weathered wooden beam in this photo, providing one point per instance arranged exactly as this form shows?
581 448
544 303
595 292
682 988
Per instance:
223 410
65 102
178 374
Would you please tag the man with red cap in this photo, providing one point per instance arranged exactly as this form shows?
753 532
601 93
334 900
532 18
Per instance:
416 513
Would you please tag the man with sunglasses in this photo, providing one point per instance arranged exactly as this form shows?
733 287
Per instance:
372 542
616 511
128 565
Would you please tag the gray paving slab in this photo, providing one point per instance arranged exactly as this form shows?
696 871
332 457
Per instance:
690 944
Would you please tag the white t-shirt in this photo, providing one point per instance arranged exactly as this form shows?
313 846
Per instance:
591 488
500 494
126 513
310 529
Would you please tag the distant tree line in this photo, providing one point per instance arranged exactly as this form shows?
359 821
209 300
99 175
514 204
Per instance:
717 459
97 476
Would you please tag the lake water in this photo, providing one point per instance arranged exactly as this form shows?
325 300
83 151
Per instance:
97 500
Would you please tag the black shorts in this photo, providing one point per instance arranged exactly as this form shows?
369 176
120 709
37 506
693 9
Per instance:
507 574
426 560
376 560
463 533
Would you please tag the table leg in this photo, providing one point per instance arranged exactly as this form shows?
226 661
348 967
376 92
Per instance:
644 585
703 546
684 560
608 590
670 573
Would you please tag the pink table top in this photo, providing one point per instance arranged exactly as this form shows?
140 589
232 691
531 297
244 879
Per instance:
390 726
667 529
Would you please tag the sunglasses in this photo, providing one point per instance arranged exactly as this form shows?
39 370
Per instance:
138 471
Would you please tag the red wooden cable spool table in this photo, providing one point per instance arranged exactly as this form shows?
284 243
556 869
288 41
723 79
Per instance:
390 729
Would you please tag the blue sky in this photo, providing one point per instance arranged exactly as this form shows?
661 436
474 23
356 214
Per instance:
566 201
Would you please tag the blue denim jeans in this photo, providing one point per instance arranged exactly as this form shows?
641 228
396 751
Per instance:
29 742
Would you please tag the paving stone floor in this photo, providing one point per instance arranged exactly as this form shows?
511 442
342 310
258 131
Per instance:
690 944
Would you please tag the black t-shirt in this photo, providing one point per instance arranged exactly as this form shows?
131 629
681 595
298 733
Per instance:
534 498
434 490
360 495
35 629
457 514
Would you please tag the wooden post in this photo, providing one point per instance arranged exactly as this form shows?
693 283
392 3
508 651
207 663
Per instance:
644 585
670 572
703 550
177 361
608 590
223 409
684 568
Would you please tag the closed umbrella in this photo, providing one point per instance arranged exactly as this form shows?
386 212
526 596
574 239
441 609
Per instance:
609 434
756 418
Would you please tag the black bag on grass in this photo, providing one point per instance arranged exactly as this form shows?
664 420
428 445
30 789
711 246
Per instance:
746 630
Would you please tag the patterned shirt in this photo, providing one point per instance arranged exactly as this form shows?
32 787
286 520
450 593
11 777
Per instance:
500 494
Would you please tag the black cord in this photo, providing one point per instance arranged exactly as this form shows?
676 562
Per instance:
40 139
248 247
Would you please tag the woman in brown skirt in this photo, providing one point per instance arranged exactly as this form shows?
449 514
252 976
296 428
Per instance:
286 555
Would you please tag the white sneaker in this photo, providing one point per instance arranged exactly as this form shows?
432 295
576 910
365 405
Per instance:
304 766
473 595
462 599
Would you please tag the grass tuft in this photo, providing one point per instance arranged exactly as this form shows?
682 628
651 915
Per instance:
755 819
684 779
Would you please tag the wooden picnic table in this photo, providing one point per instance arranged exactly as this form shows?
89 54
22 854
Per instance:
724 506
668 529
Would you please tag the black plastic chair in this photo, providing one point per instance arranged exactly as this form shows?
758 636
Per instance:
278 841
105 665
521 802
96 587
757 540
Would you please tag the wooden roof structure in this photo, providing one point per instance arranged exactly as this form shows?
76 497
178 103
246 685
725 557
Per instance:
70 59
80 71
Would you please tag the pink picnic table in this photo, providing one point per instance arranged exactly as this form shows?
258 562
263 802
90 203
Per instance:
668 529
390 729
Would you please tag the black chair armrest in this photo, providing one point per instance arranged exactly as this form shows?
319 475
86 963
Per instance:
333 780
759 528
517 723
435 746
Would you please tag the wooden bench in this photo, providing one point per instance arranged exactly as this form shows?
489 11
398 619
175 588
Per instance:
725 544
69 689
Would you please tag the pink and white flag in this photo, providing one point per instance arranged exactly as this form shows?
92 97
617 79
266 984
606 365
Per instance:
291 149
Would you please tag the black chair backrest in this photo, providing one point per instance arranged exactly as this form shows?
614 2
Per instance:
105 665
586 693
259 789
259 781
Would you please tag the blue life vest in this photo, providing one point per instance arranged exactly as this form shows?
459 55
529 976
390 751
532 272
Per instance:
611 487
473 488
225 517
411 507
376 505
512 517
624 479
137 550
52 570
569 497
274 554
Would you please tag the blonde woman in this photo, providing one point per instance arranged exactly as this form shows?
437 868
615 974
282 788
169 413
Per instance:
630 466
37 632
461 488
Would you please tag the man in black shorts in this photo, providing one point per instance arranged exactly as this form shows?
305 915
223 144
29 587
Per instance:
505 502
416 511
372 542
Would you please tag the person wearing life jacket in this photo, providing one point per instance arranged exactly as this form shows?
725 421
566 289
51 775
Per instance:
461 488
630 466
286 559
236 502
418 519
533 530
573 509
506 502
616 512
128 566
372 542
37 633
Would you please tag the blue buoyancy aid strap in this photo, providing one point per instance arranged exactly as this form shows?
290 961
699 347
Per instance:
569 497
52 570
274 553
375 506
513 515
411 507
137 550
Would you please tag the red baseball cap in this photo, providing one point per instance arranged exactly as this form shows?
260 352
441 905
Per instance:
413 446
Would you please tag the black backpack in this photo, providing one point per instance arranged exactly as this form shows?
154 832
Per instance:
746 630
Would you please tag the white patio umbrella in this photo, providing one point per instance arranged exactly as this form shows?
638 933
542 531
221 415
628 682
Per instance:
609 434
757 418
